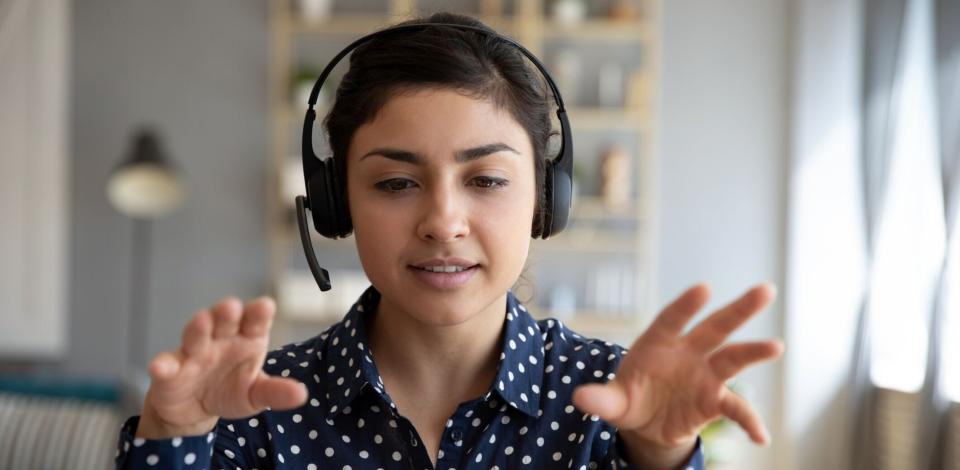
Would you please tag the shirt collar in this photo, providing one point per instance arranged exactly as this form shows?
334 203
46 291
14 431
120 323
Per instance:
350 367
520 374
347 359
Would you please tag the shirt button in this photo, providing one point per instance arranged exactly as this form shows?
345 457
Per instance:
456 435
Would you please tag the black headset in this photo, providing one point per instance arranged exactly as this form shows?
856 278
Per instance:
326 201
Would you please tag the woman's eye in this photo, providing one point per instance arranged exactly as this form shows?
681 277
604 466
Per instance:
487 182
394 185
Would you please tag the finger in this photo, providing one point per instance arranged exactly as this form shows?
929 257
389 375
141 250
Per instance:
713 331
736 408
164 366
608 401
731 359
277 393
675 316
226 316
258 317
196 335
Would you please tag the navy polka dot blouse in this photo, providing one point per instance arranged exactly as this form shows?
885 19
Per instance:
525 420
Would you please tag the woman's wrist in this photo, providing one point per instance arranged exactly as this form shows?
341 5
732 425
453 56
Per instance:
151 426
647 454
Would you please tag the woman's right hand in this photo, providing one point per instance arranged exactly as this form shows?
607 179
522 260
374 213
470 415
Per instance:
216 372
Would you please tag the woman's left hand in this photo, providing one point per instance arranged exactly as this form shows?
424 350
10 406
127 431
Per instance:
671 385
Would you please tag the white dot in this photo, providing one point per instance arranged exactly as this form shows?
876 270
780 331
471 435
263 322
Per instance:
176 441
241 441
311 466
557 456
604 435
280 428
508 450
364 454
139 442
396 456
526 459
261 452
280 458
229 453
253 422
554 425
190 458
551 394
329 452
295 449
565 379
346 438
540 442
152 459
313 434
297 418
378 439
479 458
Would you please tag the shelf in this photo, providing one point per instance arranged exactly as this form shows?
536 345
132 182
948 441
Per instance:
591 324
588 241
597 232
598 29
362 24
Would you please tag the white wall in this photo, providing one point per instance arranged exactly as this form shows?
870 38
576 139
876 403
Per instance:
723 158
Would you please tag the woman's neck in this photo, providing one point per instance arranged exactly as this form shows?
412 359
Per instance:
460 360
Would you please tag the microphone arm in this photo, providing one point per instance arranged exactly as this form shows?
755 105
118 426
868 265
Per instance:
319 274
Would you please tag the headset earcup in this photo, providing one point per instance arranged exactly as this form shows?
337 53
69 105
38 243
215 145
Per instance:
338 201
558 198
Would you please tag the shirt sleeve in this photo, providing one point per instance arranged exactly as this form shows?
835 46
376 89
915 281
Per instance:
187 452
616 459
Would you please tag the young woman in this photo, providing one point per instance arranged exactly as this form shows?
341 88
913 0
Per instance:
441 137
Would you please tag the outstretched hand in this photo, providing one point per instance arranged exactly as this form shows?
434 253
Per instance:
216 372
671 385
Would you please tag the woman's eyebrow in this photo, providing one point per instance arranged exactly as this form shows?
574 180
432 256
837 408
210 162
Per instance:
462 156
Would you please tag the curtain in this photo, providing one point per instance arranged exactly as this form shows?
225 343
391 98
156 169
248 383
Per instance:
936 406
904 40
883 26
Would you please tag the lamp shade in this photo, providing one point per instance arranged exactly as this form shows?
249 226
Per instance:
145 185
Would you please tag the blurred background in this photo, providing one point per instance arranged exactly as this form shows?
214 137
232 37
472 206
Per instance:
149 156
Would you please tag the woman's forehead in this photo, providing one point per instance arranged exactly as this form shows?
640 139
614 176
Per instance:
439 121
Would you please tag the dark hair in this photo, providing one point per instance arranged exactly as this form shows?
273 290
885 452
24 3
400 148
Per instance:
473 63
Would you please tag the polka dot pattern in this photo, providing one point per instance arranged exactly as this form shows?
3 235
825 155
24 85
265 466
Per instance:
525 420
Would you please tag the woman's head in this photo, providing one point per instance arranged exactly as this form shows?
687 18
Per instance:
475 64
440 136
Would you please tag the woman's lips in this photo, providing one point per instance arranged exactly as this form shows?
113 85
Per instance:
444 280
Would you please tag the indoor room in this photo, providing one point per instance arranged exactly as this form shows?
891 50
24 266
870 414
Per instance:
743 252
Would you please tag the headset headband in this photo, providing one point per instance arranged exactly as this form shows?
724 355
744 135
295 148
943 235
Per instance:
310 164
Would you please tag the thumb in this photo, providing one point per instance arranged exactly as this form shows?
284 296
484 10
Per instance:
277 393
608 401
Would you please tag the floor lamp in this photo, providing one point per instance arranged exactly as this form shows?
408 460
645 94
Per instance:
145 186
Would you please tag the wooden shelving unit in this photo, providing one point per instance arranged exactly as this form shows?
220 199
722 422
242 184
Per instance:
588 238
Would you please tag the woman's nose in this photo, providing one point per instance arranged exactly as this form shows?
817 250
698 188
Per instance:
444 218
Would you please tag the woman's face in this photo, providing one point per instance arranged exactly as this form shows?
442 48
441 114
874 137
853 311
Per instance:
441 182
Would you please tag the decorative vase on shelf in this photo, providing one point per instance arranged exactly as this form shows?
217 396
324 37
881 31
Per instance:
314 11
622 10
615 177
569 12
